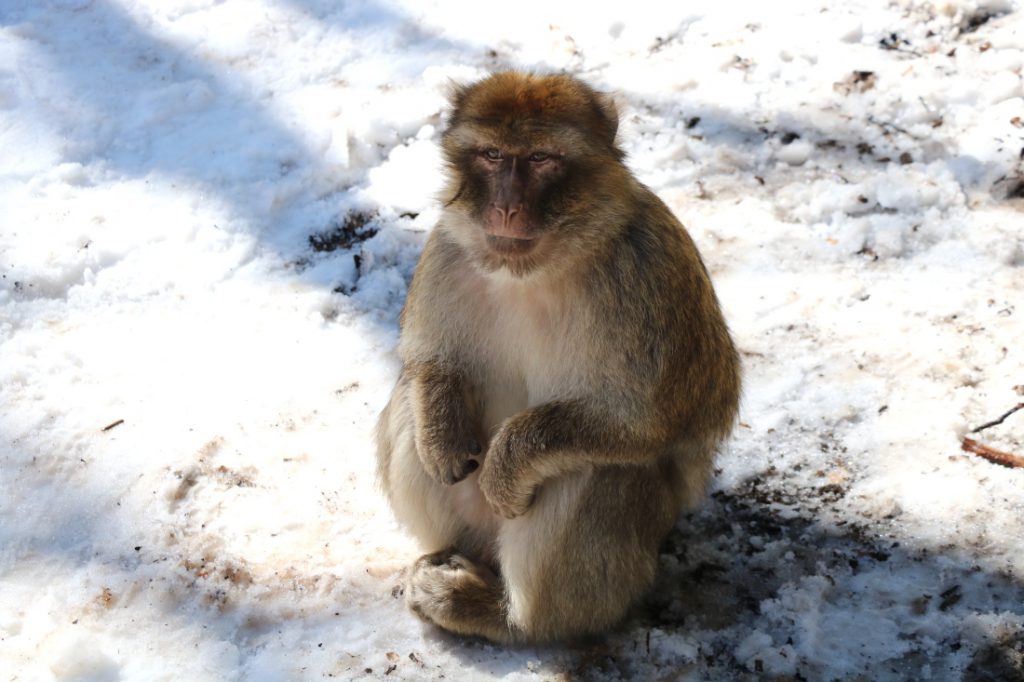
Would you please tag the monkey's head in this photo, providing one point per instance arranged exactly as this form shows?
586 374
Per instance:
534 171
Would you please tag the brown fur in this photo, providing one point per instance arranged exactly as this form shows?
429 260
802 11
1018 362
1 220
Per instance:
561 320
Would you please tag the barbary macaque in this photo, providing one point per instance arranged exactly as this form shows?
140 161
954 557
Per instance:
566 372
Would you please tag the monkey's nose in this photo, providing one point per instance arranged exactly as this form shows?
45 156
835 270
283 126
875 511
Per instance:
506 212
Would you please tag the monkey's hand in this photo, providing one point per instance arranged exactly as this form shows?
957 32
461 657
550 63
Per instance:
507 480
447 452
445 431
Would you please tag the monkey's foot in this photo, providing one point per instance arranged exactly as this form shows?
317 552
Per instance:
457 594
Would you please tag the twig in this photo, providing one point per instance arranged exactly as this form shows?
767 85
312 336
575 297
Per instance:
991 454
112 425
888 126
997 422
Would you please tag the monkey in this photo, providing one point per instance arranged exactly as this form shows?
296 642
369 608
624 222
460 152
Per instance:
567 374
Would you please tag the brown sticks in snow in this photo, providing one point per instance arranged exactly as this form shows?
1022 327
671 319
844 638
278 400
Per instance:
991 454
1000 420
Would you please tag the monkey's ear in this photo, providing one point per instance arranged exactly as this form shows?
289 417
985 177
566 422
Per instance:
457 93
608 116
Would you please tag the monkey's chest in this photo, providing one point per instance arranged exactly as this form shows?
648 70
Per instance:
531 355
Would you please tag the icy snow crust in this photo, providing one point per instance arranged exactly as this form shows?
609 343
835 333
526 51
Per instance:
209 215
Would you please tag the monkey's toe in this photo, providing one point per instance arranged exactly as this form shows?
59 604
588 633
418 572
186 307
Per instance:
435 558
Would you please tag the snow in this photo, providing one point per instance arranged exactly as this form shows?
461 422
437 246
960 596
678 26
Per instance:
210 215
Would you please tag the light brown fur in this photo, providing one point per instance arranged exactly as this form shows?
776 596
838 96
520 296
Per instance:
582 365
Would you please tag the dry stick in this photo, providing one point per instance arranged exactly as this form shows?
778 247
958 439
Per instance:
112 425
991 454
997 422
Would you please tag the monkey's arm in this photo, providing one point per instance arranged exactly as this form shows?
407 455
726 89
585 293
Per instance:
446 428
555 438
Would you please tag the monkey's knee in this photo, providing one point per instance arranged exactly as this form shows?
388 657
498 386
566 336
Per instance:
457 594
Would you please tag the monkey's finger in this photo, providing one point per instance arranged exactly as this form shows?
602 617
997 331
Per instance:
469 467
507 511
511 513
512 510
453 472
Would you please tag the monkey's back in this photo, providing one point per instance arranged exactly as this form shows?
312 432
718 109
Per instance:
667 322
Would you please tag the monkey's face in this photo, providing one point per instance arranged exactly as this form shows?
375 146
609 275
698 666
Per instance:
526 155
512 190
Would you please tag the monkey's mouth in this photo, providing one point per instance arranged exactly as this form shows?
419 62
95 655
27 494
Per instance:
510 246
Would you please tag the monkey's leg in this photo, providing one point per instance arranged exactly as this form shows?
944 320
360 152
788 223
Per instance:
571 566
420 503
586 549
459 595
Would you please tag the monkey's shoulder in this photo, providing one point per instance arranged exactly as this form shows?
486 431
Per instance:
440 254
653 258
441 267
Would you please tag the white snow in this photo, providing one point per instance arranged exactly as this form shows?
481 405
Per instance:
174 175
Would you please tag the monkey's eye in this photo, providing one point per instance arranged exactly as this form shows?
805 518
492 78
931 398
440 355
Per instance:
493 154
539 157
